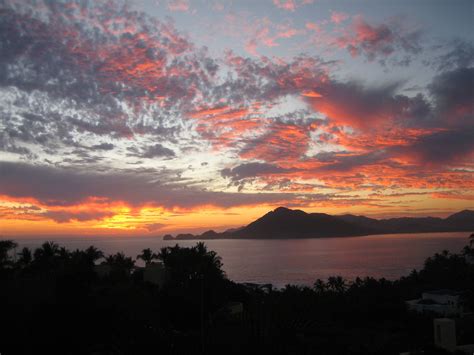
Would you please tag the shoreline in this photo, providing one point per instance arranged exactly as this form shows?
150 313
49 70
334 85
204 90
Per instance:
323 237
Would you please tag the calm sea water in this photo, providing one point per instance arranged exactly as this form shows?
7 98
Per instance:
299 261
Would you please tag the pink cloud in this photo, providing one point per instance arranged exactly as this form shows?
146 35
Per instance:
265 33
313 26
288 5
218 6
291 5
338 17
178 5
372 41
251 47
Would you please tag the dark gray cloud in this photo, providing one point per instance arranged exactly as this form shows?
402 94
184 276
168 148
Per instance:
363 106
448 147
343 161
66 216
457 54
453 95
156 151
7 144
243 174
257 79
153 151
64 187
103 146
251 170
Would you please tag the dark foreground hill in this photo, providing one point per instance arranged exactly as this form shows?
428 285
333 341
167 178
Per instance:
286 223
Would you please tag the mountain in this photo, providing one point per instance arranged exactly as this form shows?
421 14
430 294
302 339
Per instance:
399 225
287 223
461 221
464 218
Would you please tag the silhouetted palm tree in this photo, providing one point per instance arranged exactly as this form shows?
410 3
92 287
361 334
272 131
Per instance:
337 284
5 247
211 257
320 286
147 256
47 250
471 240
26 257
47 254
188 264
93 254
64 254
120 262
164 254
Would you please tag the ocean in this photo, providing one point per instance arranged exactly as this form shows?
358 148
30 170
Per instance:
295 261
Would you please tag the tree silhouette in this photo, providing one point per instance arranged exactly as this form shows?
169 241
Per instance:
26 257
320 286
147 256
121 265
186 264
46 251
337 284
196 295
93 254
5 247
47 255
64 254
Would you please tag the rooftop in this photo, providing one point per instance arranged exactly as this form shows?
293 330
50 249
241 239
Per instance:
444 292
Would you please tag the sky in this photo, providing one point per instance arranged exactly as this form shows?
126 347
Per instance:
166 116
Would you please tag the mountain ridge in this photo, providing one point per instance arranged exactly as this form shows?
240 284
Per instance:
285 223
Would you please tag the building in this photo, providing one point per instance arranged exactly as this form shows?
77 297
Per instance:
445 333
445 336
442 302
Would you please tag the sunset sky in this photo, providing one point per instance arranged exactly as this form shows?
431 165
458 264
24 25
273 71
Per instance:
154 117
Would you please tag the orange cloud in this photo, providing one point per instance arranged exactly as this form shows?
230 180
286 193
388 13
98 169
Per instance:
281 143
225 125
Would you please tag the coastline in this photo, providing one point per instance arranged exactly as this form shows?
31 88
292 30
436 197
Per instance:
198 238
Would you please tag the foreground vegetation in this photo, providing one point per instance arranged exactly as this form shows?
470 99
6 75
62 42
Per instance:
54 302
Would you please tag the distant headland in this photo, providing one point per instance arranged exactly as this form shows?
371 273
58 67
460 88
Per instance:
285 223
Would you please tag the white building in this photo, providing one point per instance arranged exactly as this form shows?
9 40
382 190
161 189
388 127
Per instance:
445 333
445 336
442 302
